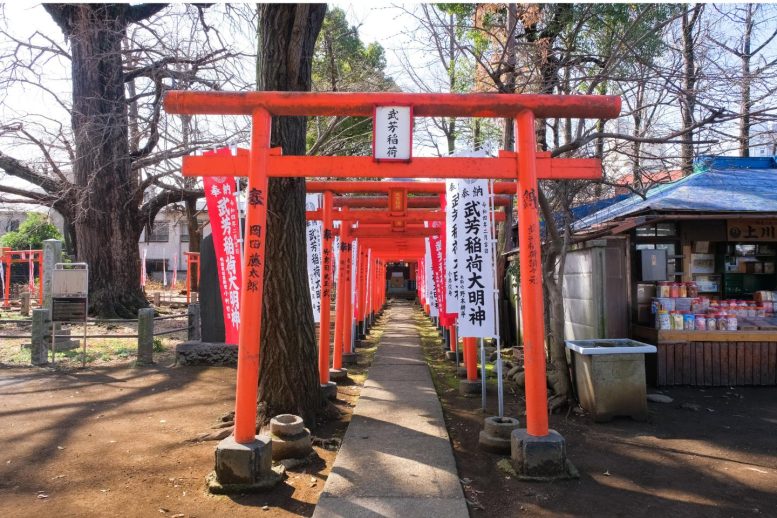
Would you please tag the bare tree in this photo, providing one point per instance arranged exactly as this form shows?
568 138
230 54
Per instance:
109 171
757 61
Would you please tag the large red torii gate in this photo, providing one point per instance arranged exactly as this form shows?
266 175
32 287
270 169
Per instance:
263 162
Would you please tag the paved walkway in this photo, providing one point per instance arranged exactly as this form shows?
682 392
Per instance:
396 458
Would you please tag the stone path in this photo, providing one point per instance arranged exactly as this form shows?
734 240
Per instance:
396 458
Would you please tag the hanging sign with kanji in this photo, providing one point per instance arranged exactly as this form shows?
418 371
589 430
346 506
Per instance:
393 133
451 246
751 230
313 238
431 297
476 264
225 228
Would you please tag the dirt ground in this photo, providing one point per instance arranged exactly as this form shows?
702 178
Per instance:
113 440
710 453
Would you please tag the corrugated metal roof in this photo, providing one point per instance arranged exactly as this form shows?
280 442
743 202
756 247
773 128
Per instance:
718 189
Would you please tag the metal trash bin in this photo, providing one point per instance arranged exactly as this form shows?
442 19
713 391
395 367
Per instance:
609 375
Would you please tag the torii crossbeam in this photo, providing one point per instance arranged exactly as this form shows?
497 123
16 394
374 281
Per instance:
525 166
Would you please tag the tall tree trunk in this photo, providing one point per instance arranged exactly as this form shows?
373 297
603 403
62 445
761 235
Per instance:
107 228
288 381
690 76
745 102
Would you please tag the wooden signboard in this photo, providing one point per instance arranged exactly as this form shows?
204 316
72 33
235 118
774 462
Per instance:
751 230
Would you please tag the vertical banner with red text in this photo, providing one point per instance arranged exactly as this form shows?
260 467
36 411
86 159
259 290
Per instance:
225 227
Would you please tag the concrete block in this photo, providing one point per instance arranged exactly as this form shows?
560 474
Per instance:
451 355
285 425
145 337
243 467
469 388
193 314
338 374
296 446
349 358
52 254
539 458
497 434
39 347
329 390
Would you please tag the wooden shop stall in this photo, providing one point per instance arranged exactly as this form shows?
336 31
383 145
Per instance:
690 268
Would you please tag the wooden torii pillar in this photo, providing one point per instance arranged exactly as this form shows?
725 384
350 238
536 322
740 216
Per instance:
525 165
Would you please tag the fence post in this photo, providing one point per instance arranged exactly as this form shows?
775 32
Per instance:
40 333
145 337
194 322
52 254
25 311
157 299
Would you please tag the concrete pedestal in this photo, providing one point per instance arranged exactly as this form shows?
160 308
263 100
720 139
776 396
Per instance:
349 358
243 467
39 348
329 390
540 458
338 374
469 388
451 355
290 438
362 343
461 371
496 434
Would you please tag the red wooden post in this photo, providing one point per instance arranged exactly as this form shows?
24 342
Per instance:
253 282
337 351
7 287
188 277
326 286
347 311
531 278
471 358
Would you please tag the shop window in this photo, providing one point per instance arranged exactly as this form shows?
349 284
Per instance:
156 265
657 230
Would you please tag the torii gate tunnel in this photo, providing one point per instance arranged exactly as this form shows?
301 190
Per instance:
525 166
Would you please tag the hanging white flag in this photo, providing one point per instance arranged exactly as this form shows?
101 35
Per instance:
431 296
475 261
313 238
175 270
451 246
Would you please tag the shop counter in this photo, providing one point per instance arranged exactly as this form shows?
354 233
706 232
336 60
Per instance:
710 358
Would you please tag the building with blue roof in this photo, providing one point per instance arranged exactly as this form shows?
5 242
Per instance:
711 235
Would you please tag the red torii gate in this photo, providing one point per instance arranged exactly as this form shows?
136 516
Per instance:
263 162
7 257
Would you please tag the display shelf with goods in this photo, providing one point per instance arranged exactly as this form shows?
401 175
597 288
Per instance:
748 268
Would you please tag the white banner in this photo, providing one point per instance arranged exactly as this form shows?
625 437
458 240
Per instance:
476 264
431 297
451 247
313 238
